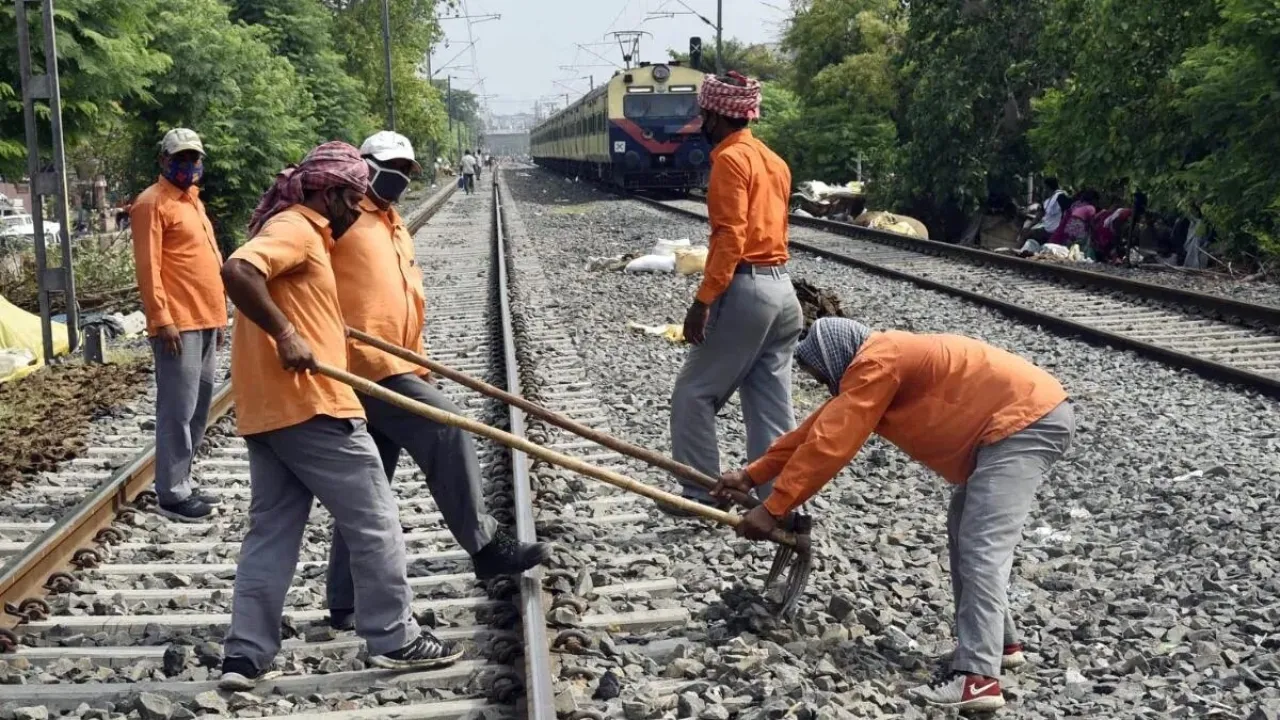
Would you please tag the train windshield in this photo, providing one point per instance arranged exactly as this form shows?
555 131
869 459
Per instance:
680 105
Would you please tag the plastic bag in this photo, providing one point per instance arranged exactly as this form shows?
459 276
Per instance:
652 263
669 247
691 261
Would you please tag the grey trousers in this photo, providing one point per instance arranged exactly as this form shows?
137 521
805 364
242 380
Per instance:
752 331
984 525
184 387
335 462
446 456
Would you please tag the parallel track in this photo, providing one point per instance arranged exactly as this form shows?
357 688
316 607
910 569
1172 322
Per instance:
1219 337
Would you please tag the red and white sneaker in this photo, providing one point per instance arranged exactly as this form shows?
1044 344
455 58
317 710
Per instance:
967 693
1012 658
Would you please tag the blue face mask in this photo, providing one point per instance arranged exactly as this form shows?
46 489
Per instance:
183 173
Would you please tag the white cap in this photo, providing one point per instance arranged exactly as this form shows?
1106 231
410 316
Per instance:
387 145
180 139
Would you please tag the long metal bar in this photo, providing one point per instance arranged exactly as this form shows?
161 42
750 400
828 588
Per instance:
386 51
60 171
1206 367
539 694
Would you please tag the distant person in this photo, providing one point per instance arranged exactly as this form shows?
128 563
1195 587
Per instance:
1075 229
1199 234
178 266
1049 216
470 168
745 319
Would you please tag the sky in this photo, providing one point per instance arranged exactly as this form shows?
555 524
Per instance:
516 60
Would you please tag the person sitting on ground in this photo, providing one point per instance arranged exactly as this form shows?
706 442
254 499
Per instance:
1075 226
1110 227
1046 221
989 422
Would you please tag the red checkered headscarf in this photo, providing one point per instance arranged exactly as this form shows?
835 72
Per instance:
331 165
737 96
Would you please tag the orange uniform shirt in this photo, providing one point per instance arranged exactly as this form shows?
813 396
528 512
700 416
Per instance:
937 397
380 291
748 196
177 259
292 251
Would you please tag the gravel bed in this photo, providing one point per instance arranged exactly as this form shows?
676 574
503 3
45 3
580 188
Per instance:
1146 585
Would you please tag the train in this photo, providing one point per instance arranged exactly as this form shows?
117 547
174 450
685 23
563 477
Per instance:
641 130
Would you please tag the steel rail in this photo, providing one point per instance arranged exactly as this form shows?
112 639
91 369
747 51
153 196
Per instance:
539 693
25 574
1212 303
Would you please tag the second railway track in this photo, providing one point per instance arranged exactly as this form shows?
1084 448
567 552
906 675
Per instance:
1219 337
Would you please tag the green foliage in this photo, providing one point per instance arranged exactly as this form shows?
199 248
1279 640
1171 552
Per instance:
302 31
753 60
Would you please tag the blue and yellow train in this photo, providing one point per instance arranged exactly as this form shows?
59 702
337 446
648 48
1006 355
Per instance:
639 131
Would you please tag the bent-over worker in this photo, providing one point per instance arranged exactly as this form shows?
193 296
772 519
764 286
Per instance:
990 423
306 432
178 265
745 320
380 293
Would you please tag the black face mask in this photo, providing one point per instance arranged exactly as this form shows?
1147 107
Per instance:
341 217
386 183
706 131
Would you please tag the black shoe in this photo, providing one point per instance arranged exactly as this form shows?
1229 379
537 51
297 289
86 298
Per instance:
240 673
191 509
504 555
425 652
342 619
207 498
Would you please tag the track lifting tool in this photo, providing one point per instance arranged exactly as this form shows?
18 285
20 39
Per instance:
794 553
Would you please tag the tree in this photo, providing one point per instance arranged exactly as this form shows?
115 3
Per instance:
252 111
755 60
302 31
105 59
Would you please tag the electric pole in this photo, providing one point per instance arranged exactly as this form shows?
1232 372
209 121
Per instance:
386 50
719 36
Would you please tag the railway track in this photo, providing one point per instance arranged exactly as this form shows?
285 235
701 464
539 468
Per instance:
115 608
1219 337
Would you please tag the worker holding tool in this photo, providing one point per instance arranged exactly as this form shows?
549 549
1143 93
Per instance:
990 423
178 261
305 432
380 293
745 319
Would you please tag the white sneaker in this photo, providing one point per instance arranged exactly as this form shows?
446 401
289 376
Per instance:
967 693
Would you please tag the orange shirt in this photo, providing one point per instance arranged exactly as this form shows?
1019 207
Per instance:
937 397
292 251
380 290
177 259
747 201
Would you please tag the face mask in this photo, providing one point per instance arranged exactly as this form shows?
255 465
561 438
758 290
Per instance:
183 173
386 183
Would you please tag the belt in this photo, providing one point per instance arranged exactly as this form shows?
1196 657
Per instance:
749 269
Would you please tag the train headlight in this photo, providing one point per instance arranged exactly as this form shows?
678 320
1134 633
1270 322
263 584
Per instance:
661 73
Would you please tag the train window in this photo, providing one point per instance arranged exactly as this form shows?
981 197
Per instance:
660 106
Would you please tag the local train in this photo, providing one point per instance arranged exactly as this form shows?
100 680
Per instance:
640 131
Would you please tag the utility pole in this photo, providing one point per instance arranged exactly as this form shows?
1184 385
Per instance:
47 183
719 36
386 50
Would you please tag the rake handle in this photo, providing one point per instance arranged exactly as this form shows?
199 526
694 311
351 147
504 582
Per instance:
616 444
617 480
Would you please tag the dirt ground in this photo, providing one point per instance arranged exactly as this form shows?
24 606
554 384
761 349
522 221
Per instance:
45 417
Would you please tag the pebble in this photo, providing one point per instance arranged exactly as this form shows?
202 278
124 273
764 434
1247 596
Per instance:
211 702
31 713
151 706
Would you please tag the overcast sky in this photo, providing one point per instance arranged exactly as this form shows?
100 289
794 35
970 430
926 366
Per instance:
517 58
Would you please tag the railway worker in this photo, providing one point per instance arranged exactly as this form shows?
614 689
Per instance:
745 319
305 432
178 262
380 292
470 170
990 423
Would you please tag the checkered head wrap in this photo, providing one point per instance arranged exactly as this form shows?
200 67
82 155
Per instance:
830 346
331 165
734 95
